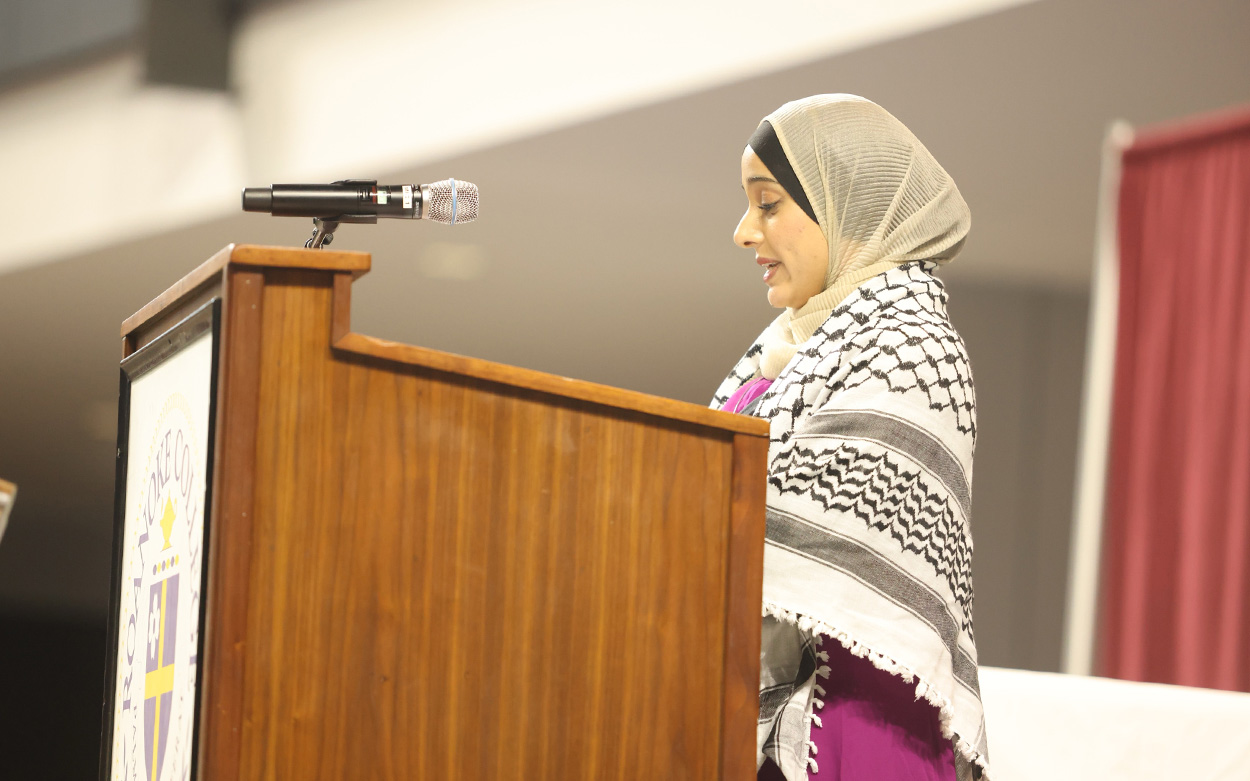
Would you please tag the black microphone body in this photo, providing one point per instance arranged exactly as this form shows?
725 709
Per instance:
351 198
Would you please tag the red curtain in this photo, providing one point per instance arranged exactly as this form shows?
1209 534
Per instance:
1175 604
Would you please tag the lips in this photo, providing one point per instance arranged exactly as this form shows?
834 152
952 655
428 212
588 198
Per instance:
770 267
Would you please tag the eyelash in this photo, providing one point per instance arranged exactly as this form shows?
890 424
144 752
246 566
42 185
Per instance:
767 207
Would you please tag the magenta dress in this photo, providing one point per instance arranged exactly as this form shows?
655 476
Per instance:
871 726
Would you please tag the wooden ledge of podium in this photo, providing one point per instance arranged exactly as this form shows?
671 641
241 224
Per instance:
428 566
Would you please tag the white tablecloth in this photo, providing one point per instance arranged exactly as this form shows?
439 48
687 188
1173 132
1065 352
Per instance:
1070 727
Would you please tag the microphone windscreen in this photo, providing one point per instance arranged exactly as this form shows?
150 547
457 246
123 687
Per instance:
450 202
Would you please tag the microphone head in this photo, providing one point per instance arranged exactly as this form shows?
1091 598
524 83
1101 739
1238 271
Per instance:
450 202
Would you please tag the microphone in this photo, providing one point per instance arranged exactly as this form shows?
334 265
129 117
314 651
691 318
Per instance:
449 202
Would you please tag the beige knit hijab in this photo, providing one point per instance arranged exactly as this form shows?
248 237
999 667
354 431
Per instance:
879 196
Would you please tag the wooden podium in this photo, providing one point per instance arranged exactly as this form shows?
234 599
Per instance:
426 566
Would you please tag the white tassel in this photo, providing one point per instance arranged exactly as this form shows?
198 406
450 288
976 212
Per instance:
923 690
823 671
819 689
822 656
816 720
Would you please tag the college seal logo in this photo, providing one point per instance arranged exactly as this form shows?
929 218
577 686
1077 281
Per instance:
154 711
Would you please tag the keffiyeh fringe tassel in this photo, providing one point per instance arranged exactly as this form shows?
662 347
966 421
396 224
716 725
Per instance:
810 717
881 662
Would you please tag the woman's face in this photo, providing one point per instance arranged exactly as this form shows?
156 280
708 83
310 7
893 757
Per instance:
788 244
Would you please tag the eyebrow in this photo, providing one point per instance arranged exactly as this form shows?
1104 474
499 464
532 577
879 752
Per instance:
755 179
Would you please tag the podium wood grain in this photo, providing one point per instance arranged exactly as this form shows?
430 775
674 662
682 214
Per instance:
425 566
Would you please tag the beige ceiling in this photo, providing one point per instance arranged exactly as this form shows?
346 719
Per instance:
605 248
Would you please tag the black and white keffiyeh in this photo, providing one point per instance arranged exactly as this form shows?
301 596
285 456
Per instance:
873 425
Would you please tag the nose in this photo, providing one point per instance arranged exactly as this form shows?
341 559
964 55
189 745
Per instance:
747 234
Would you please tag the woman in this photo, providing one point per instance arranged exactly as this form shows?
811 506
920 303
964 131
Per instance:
868 660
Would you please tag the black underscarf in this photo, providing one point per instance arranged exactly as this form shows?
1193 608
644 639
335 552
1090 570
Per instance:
767 147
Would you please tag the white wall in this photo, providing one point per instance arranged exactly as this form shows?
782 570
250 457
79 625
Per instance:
1026 347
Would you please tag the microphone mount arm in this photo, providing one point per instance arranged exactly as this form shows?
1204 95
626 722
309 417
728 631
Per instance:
323 233
324 227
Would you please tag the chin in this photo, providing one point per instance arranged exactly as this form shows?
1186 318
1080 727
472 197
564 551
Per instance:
778 298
